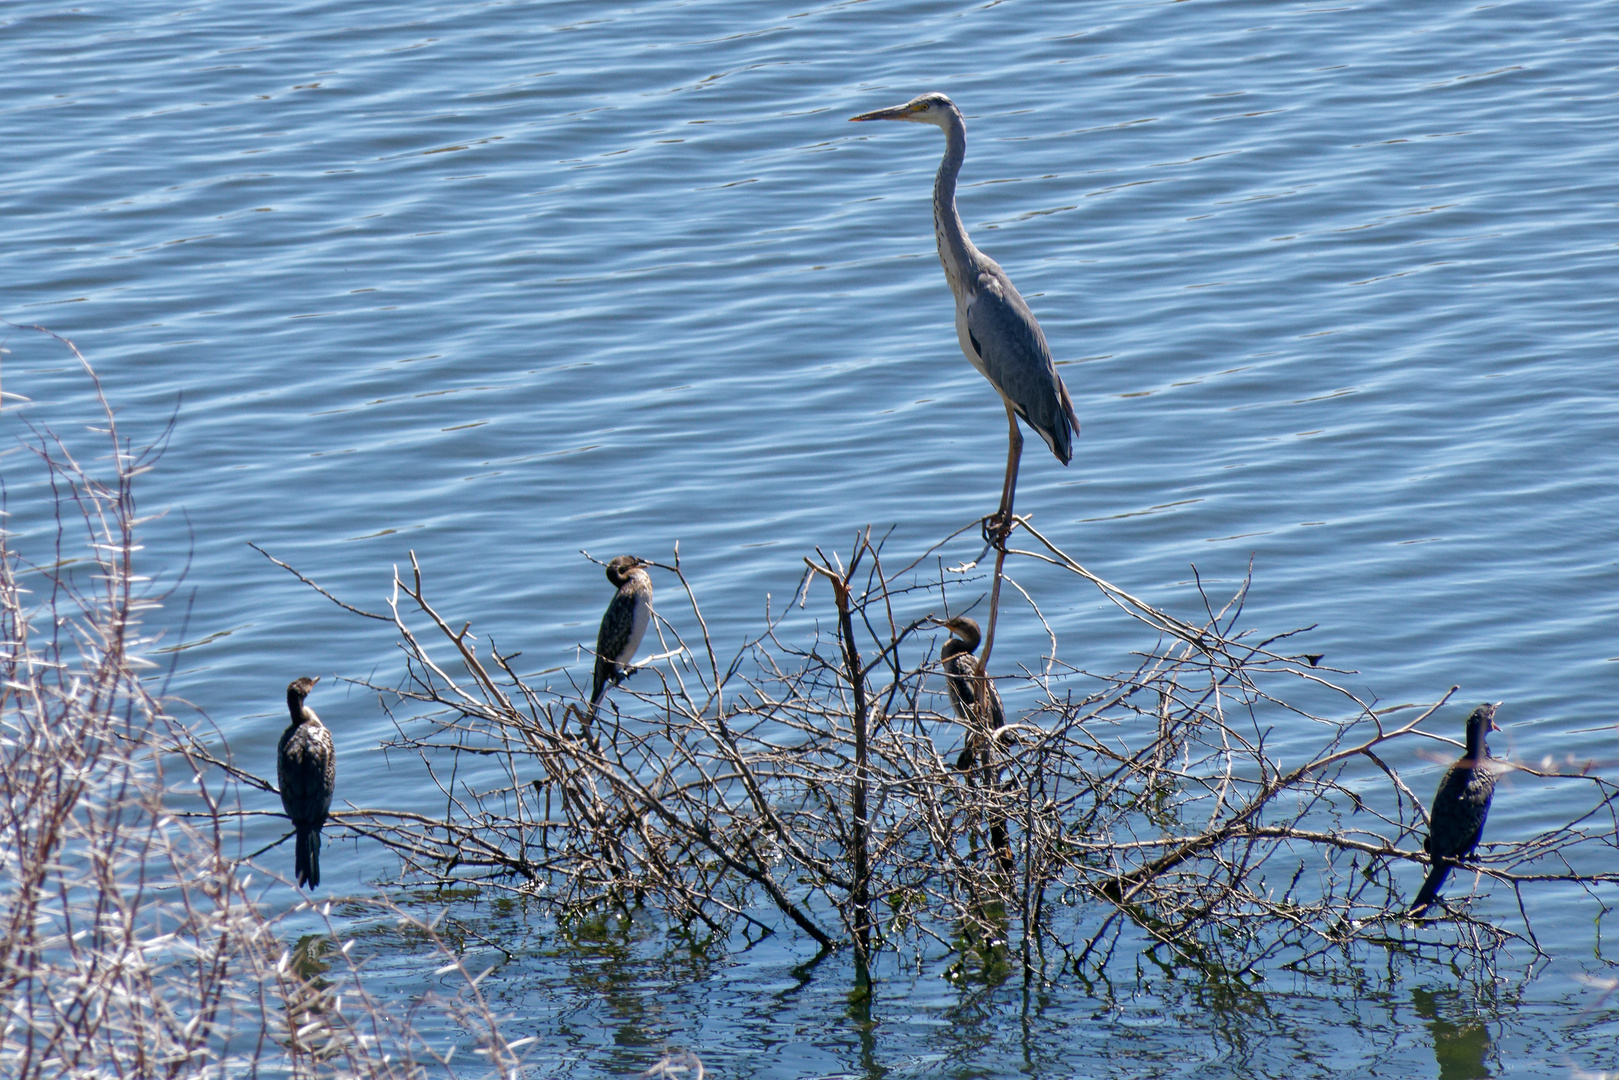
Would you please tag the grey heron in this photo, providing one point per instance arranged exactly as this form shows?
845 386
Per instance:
623 626
1460 806
995 328
306 770
962 673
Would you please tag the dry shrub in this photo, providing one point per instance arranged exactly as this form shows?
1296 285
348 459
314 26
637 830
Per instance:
812 786
132 942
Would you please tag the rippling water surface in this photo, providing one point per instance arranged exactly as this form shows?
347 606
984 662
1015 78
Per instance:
1332 286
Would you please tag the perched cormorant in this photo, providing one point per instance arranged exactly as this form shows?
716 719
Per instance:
1459 808
961 671
623 626
964 674
306 769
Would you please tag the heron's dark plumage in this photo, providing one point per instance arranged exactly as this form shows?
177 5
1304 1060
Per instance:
1460 807
623 624
306 769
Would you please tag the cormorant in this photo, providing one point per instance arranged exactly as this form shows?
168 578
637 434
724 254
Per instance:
306 769
1459 808
961 671
964 674
623 626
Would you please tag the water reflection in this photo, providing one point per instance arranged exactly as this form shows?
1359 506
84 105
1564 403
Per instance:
1460 1049
309 1000
864 1027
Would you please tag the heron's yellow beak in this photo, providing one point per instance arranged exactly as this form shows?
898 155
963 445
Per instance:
898 112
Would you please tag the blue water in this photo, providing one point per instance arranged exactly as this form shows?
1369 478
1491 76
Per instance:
1332 288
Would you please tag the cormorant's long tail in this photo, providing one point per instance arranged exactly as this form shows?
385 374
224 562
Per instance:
307 859
1430 888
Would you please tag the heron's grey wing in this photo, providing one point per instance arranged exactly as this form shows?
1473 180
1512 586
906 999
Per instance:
1018 361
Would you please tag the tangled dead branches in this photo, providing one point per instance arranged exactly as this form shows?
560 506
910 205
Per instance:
815 785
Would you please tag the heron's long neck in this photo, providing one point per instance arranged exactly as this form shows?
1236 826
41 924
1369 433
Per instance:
953 243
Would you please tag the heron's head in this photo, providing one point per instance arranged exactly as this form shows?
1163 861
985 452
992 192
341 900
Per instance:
930 108
299 689
620 570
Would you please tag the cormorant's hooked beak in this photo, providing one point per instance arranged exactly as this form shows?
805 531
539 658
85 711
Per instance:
898 112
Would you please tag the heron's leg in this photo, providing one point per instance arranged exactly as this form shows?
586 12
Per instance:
1014 453
1000 527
